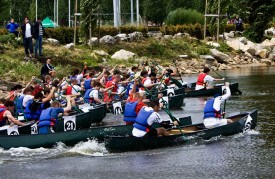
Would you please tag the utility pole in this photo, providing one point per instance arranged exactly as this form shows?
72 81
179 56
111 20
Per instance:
69 13
57 13
75 19
36 10
137 12
132 12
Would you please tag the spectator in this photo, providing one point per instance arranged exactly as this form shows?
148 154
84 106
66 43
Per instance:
38 36
239 23
12 27
27 30
47 69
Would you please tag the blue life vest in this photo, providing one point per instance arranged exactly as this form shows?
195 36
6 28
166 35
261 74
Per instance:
141 120
209 111
87 84
30 114
19 104
87 98
130 112
129 88
46 119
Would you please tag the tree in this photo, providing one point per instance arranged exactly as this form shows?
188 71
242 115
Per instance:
87 7
258 14
155 10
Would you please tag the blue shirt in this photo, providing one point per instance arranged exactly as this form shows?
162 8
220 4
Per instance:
56 111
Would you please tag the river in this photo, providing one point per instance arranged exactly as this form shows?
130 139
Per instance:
246 155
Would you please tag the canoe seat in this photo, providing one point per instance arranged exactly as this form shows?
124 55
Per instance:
201 127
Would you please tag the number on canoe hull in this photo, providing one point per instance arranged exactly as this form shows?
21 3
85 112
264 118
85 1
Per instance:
13 130
34 129
69 123
117 108
248 124
170 92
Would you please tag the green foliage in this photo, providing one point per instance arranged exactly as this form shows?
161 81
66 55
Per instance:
195 30
8 39
156 49
155 10
65 35
184 16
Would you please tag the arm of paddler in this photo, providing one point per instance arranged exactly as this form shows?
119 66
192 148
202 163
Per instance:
12 119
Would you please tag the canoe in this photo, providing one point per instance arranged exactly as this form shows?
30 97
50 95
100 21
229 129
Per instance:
242 122
189 89
69 138
191 92
74 122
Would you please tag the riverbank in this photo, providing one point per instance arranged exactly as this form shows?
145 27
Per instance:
181 51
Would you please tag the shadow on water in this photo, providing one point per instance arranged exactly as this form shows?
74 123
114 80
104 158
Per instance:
246 155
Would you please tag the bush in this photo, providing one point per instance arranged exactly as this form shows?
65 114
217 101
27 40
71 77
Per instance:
184 16
8 39
64 35
3 31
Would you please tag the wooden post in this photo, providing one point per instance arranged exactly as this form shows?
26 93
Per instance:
218 24
75 19
90 27
98 32
205 19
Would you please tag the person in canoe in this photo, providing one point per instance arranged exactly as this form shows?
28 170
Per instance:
212 110
48 117
6 116
133 105
204 79
145 119
34 107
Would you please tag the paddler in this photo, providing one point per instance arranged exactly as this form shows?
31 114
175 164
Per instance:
212 110
145 119
48 119
6 115
204 79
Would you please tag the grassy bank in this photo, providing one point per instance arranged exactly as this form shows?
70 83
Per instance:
14 68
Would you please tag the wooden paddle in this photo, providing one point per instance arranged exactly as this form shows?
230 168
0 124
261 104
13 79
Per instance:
176 66
166 108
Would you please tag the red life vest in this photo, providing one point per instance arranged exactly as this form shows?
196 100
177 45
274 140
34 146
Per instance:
142 82
2 110
37 89
69 90
201 79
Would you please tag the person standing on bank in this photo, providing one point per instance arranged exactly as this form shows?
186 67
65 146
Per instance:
27 31
212 110
12 27
38 36
239 23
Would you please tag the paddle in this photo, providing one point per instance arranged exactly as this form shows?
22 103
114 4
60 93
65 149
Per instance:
76 108
175 63
166 109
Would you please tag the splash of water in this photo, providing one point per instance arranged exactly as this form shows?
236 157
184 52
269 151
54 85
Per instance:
90 148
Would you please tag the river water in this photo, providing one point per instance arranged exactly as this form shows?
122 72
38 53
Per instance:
246 155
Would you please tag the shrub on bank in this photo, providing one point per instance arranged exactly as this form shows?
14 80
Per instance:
184 16
65 35
3 31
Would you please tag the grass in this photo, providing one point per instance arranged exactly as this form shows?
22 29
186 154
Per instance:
14 68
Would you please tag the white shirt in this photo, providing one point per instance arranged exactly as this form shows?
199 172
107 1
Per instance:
94 94
147 82
76 89
79 78
26 99
154 117
207 79
28 31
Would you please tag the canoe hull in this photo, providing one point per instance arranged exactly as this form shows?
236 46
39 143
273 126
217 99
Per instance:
191 92
245 122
